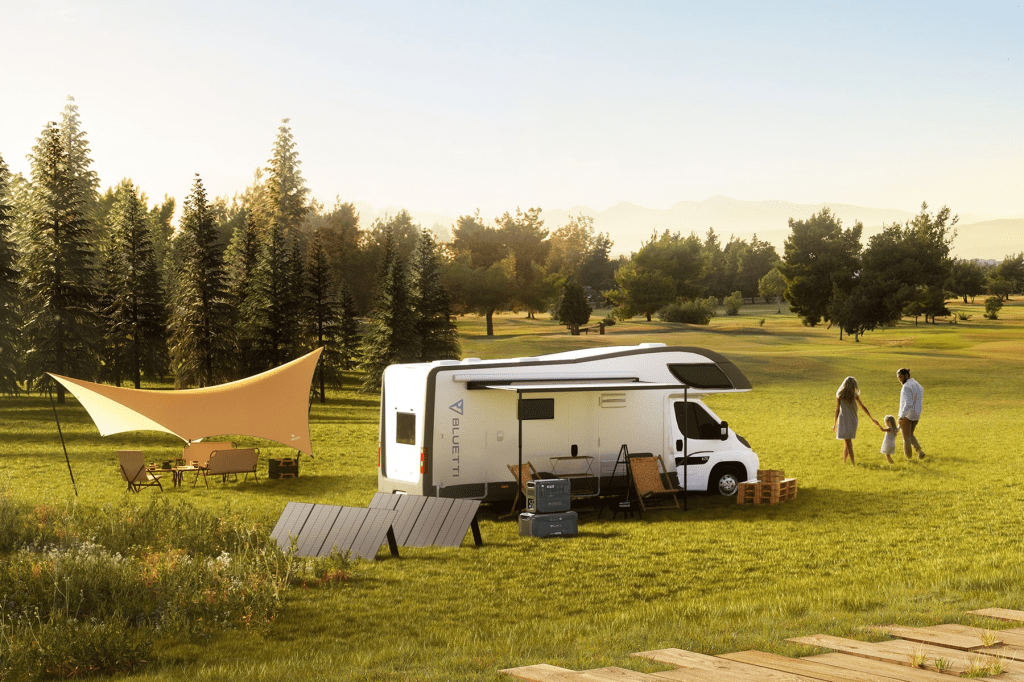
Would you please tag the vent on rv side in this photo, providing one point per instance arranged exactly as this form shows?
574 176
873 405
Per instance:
538 408
612 400
701 376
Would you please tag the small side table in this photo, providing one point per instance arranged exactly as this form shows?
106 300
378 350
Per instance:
178 473
582 468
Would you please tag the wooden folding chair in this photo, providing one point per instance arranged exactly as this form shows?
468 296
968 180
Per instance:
651 482
133 470
522 475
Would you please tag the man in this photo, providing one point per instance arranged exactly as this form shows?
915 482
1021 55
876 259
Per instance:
911 401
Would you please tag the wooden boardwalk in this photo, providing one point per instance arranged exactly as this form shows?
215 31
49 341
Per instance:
931 654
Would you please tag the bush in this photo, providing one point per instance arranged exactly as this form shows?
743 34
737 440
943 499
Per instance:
608 321
993 304
697 311
83 591
733 302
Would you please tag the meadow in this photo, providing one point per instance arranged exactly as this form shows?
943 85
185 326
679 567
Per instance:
913 543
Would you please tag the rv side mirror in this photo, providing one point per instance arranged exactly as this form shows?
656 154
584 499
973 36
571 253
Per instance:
679 445
725 430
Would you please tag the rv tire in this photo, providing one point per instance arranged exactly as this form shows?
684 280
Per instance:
725 480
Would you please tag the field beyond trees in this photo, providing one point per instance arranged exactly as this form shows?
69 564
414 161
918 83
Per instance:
913 543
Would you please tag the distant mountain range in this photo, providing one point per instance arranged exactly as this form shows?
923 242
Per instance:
629 225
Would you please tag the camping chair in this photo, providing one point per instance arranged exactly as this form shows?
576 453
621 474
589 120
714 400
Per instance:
199 453
133 470
522 474
653 488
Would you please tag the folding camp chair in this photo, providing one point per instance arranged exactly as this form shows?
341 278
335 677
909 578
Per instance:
653 488
133 470
522 475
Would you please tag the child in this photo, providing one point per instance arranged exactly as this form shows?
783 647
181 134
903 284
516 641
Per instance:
889 441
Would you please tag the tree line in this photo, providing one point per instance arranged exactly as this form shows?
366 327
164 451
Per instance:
100 285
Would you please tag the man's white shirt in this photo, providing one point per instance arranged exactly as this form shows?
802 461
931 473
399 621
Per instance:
911 400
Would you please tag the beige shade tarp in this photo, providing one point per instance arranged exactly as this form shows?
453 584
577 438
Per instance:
273 405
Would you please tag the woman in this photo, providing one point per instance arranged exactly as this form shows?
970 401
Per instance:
845 424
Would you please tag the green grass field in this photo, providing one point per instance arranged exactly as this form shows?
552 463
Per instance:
912 543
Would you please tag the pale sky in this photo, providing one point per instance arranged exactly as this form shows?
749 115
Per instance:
451 106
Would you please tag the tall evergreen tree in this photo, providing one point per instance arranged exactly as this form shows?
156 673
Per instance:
135 304
350 341
391 331
272 303
85 180
431 304
242 260
323 321
61 324
10 296
286 189
202 317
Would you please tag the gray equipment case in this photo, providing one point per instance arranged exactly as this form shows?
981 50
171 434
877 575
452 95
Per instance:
548 495
548 525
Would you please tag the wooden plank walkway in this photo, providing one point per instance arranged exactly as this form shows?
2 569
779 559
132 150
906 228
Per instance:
937 653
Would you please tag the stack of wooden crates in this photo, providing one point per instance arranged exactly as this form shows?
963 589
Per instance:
772 487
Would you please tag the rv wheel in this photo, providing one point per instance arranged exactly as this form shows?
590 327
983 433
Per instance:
725 482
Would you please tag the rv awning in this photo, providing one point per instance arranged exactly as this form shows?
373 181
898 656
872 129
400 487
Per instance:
273 405
571 386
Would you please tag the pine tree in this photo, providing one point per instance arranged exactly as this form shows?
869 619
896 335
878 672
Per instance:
242 260
10 295
573 310
298 303
271 303
135 305
391 331
431 304
86 182
323 321
286 189
350 339
202 318
61 324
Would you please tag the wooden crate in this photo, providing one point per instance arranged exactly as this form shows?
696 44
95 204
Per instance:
766 493
770 475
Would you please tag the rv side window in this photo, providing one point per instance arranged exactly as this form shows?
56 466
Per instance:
701 376
405 428
538 408
694 422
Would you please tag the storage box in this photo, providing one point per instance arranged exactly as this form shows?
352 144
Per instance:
547 525
282 468
549 495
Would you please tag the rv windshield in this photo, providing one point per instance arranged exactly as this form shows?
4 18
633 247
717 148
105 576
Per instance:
695 422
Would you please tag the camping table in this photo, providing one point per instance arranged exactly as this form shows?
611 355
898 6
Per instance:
178 473
587 472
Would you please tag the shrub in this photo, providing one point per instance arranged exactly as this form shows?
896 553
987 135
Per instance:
608 321
993 304
83 591
733 302
697 311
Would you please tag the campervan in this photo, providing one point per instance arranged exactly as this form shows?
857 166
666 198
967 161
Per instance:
454 428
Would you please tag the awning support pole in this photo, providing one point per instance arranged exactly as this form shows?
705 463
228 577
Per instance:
519 418
61 433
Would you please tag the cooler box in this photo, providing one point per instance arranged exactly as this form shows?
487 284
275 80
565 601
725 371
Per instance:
547 495
547 525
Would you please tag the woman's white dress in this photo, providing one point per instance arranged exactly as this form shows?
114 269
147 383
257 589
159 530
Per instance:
846 427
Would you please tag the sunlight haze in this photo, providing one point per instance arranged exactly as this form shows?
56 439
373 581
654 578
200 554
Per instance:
449 107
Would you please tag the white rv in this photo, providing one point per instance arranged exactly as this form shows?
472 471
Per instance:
451 428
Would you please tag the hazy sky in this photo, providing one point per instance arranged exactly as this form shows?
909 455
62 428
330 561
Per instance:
450 106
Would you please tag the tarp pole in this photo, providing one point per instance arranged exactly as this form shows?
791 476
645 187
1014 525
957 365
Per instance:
61 433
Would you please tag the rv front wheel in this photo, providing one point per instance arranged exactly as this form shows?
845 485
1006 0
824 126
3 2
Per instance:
725 482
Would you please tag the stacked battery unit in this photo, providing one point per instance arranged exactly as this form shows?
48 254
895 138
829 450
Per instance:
547 510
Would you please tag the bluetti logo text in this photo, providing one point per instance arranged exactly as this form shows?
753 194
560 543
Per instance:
456 458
